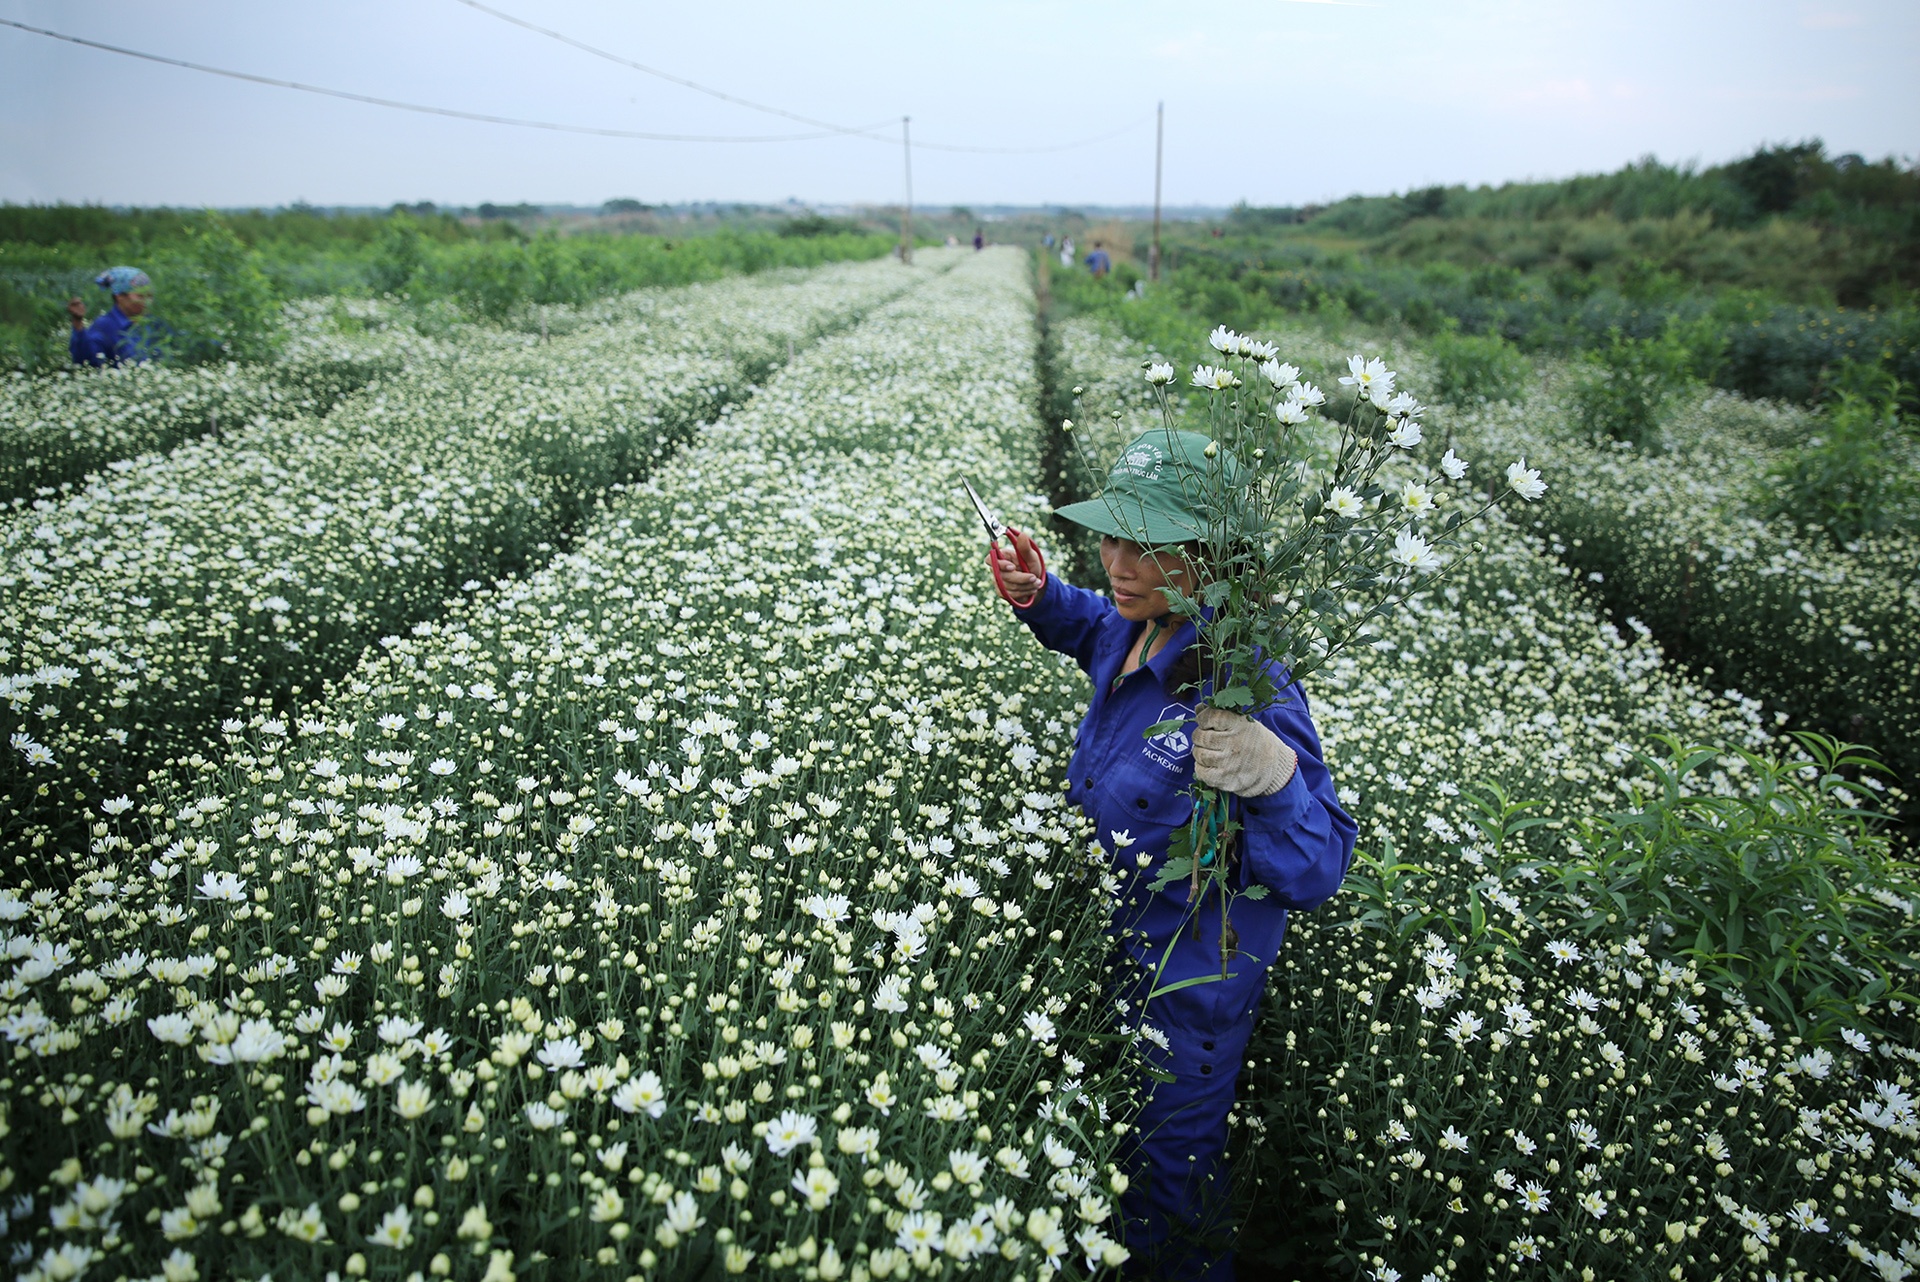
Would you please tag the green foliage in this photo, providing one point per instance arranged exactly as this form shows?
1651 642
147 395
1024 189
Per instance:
1783 893
398 256
1851 479
30 326
1472 368
819 225
1626 387
211 300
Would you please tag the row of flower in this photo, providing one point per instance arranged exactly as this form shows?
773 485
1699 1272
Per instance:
55 429
137 610
1823 633
1464 1070
702 902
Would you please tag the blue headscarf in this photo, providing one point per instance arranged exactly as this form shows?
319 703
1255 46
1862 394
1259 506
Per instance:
122 280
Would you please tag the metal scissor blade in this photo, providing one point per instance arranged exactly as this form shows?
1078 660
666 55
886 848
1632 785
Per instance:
995 530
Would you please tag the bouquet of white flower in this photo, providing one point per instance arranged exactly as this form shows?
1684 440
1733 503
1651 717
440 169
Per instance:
1313 532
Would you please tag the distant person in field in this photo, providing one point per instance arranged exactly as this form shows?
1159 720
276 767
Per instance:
1098 262
979 239
113 337
1066 252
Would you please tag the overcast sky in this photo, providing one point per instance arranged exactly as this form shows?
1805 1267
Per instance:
1270 101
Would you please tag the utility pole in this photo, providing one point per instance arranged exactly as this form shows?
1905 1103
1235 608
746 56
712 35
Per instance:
1159 137
906 224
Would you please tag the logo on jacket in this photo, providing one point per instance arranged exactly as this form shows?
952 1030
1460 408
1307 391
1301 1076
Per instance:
1169 748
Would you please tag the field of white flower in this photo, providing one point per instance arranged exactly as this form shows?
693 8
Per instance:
55 429
1822 632
681 885
174 586
1475 1061
698 903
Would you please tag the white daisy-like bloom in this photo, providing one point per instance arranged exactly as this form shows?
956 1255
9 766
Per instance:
222 887
789 1131
562 1052
1405 434
642 1094
1413 553
887 996
1280 374
817 1185
1224 340
1525 481
1290 413
1453 465
1214 378
1453 1141
1159 373
543 1117
1344 503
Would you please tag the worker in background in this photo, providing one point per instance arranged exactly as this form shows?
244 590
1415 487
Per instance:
979 239
113 337
1098 262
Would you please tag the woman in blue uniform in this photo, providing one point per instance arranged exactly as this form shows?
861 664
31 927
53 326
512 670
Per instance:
1296 840
113 337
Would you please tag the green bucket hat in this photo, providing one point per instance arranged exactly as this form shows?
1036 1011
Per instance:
1155 490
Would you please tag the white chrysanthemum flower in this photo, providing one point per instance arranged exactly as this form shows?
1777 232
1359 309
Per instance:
1281 375
642 1094
1416 499
224 887
562 1052
1159 374
1525 481
1344 503
1413 553
1453 465
789 1131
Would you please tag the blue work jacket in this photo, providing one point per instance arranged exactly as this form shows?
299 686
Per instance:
111 338
1297 842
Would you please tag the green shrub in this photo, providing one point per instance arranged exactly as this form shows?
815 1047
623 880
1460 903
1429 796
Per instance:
1465 1071
1854 478
1783 894
1470 368
211 300
1627 385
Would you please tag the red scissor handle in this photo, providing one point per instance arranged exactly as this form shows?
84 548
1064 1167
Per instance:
1025 551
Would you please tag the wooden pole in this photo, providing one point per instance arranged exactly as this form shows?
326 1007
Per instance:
1159 135
906 224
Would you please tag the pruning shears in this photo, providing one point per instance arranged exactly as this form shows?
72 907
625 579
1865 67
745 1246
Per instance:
1025 550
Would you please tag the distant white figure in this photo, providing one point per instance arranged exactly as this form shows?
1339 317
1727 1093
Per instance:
1066 252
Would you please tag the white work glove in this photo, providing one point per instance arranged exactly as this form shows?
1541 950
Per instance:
1239 755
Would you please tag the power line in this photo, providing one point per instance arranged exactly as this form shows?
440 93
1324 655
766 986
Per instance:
694 85
420 108
864 131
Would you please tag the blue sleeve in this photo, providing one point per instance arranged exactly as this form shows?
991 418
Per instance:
85 346
1298 842
1066 619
